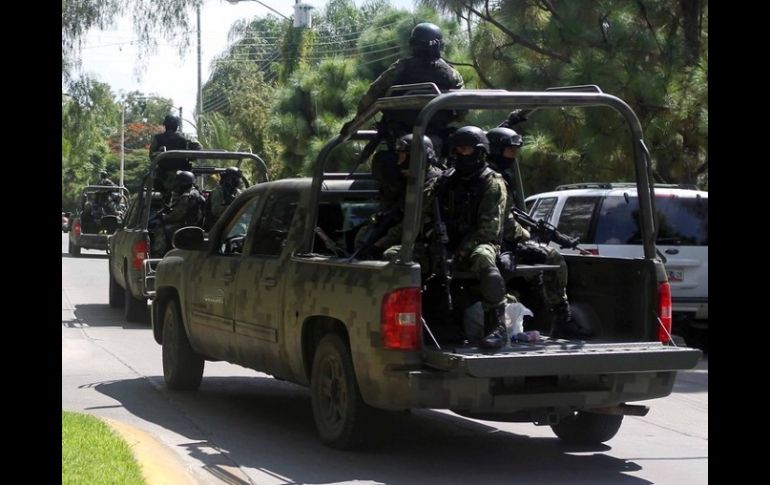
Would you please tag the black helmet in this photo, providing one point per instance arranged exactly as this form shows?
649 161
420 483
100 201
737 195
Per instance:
404 144
184 179
471 136
426 40
233 172
499 138
171 122
103 173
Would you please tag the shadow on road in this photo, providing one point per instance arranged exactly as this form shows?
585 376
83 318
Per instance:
267 425
101 315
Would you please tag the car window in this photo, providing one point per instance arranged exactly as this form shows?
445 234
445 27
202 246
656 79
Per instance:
575 218
235 230
273 226
543 208
681 221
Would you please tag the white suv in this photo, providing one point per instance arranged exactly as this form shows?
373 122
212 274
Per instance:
604 218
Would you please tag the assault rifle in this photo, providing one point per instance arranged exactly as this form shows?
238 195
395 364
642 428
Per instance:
378 226
546 232
439 240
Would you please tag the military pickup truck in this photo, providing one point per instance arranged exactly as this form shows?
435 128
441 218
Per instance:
130 247
96 218
273 288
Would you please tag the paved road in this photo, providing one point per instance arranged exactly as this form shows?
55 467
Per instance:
246 427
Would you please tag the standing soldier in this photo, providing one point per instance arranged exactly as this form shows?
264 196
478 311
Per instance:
103 180
171 139
425 65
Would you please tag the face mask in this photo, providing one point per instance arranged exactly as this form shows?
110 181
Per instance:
501 163
467 164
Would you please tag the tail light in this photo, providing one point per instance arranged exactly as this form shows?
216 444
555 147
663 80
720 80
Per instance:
76 228
402 319
594 251
664 312
139 251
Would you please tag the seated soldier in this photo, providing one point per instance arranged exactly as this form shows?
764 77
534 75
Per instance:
185 210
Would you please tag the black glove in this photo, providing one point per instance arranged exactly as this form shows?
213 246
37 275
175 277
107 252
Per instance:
515 117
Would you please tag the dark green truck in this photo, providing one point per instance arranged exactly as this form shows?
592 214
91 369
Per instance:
131 258
272 288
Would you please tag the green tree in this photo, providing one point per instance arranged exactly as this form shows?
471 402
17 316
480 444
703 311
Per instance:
651 53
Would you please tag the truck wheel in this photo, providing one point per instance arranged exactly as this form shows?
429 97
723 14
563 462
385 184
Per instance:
117 297
73 248
182 367
338 409
584 428
135 309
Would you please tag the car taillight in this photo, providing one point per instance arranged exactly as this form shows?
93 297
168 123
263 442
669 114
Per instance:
76 228
664 312
402 319
594 251
140 250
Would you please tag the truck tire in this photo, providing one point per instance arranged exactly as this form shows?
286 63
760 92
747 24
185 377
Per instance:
182 367
584 428
117 297
338 409
73 249
135 310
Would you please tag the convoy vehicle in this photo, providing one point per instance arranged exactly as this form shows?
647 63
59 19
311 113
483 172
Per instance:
604 217
273 287
130 248
96 216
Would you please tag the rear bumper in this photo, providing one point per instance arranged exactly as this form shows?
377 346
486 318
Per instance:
92 241
695 308
579 377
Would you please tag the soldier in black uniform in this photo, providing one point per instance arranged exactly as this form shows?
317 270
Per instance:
172 139
425 65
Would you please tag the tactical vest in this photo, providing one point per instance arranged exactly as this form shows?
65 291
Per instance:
459 202
421 70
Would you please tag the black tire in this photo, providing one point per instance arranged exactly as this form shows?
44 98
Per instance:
339 411
182 367
117 297
135 309
584 428
73 249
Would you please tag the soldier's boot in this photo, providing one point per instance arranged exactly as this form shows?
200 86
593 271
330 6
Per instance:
494 328
564 326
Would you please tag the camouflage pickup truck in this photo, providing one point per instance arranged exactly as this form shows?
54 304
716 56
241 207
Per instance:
273 288
130 246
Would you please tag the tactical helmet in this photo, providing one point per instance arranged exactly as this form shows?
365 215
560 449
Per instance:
184 179
426 40
103 173
404 144
233 172
171 122
499 138
471 136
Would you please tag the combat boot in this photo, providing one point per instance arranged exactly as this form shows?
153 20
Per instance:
494 327
564 326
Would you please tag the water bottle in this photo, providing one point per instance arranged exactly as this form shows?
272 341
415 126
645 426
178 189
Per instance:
527 337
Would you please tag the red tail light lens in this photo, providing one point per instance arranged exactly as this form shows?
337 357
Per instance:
76 227
664 312
594 251
140 250
402 319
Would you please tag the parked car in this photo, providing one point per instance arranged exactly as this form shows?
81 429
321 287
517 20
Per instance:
604 216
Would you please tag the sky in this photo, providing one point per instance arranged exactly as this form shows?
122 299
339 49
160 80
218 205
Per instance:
110 56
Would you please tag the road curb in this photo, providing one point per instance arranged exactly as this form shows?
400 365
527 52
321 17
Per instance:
159 465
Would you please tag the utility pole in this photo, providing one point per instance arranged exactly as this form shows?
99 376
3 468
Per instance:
200 90
122 141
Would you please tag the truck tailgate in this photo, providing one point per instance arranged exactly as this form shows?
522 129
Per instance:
560 357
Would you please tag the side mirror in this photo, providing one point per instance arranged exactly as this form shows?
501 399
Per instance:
189 238
110 223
